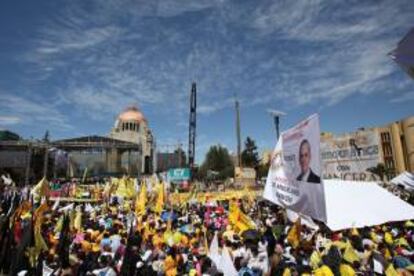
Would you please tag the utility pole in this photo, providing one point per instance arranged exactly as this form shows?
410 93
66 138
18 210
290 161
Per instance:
239 163
46 157
28 163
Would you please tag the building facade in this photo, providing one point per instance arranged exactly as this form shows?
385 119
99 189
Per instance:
170 160
351 156
397 143
131 126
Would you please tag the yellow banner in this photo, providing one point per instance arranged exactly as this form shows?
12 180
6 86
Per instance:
204 197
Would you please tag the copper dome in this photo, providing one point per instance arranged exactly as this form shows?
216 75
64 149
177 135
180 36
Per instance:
131 114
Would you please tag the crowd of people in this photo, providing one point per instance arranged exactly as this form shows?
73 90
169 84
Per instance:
233 237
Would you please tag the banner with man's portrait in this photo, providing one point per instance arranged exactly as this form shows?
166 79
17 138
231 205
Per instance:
294 178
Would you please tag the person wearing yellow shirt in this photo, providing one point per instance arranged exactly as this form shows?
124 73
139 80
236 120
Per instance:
170 266
193 241
158 240
86 246
184 241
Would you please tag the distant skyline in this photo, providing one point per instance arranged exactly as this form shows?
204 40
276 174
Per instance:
71 66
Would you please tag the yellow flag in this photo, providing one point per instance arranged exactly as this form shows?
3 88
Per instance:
387 254
286 272
409 224
141 200
38 214
401 242
40 244
59 225
123 188
159 205
388 238
323 271
77 225
354 232
346 270
294 234
238 219
390 271
315 259
41 189
350 255
373 236
130 187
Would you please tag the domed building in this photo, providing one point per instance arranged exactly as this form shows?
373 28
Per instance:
132 126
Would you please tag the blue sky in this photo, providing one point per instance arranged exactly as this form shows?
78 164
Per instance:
72 66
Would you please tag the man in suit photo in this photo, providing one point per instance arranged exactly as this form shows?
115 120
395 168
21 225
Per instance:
306 174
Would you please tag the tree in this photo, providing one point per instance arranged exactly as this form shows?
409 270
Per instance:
46 137
263 170
217 160
381 170
250 156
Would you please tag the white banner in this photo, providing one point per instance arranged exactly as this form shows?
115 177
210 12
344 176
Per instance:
294 178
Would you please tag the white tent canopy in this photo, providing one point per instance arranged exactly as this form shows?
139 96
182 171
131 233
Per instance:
357 204
405 179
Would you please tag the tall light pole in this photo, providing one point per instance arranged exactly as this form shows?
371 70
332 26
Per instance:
276 114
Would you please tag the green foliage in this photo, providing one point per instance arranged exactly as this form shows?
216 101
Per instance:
250 156
382 171
217 163
262 170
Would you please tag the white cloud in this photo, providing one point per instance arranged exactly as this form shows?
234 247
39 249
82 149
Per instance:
403 98
9 120
105 55
30 112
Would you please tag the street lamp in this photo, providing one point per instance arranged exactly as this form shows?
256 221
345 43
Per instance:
276 114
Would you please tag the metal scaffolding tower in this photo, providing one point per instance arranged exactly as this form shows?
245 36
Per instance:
192 126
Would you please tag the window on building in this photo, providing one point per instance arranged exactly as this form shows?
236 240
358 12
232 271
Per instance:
385 137
389 164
